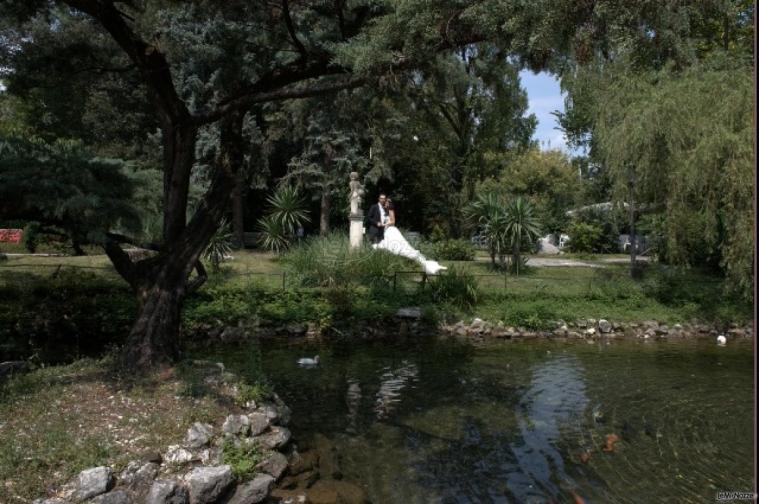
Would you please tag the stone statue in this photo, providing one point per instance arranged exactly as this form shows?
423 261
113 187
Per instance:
357 193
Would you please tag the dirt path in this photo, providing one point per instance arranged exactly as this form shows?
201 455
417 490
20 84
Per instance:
554 261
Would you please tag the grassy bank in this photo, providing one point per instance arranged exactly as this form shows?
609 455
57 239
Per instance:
56 421
74 306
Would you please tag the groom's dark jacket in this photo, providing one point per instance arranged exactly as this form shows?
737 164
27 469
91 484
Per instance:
373 216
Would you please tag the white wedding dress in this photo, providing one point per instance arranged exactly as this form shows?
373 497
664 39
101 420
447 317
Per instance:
396 244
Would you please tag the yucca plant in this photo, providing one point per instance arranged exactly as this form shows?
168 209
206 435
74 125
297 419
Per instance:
287 213
521 226
220 246
488 214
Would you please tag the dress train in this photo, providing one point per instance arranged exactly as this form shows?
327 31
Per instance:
396 244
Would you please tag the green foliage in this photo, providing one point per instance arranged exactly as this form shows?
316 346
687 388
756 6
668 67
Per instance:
61 186
522 227
330 261
220 246
30 236
452 250
62 316
608 222
546 179
286 214
258 391
228 306
487 213
683 139
583 237
456 286
242 457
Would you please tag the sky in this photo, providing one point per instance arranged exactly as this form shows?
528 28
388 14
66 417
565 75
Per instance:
545 96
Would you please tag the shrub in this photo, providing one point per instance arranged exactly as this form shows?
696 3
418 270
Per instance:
62 317
456 286
453 250
287 212
329 261
241 457
583 237
220 246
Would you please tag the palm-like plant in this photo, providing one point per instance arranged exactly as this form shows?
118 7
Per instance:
521 225
287 214
488 214
220 246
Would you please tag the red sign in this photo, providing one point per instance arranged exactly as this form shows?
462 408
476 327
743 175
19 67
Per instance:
10 235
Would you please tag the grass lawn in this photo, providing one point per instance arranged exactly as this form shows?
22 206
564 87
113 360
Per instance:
540 293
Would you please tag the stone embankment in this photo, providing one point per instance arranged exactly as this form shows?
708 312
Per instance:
249 458
592 328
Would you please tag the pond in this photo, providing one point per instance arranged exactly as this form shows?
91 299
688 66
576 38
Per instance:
445 421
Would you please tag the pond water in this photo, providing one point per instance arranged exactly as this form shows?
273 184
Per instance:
445 421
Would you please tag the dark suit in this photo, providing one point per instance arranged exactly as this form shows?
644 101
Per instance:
374 216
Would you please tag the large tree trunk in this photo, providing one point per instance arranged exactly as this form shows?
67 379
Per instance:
161 283
153 338
325 207
238 209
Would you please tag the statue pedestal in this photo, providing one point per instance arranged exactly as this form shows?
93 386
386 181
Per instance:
356 230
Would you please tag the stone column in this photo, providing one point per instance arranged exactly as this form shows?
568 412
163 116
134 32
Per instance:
356 214
356 230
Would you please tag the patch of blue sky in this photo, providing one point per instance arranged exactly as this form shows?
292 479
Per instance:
545 96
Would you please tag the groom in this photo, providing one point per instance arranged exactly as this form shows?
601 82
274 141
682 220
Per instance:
375 220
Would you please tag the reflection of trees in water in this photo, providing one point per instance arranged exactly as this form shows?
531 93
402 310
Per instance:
553 406
524 465
392 383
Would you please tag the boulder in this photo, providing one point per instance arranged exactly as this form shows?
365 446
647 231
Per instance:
274 465
52 500
139 473
177 455
89 483
167 492
208 484
270 410
236 425
114 497
276 438
198 435
332 491
253 491
302 462
328 460
210 456
604 326
258 422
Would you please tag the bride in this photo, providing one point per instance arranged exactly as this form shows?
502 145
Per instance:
394 242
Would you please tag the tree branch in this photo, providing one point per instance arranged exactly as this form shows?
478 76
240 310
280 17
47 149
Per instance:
341 18
121 261
291 29
119 238
195 284
319 88
149 60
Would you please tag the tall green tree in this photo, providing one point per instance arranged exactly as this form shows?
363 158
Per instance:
288 50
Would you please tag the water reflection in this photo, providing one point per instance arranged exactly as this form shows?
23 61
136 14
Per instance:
392 383
553 405
444 422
